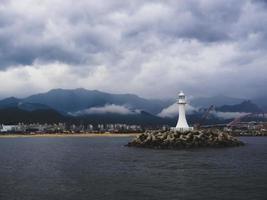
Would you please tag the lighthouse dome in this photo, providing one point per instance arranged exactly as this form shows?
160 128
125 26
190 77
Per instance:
181 94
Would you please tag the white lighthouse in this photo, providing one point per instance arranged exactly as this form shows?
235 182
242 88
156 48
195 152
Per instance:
182 123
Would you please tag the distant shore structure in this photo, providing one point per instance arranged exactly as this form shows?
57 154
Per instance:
182 124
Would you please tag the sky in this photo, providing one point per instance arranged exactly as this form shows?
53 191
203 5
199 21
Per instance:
150 48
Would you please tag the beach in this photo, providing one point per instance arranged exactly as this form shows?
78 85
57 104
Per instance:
71 135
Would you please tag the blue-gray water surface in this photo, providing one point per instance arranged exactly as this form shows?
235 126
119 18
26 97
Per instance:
102 168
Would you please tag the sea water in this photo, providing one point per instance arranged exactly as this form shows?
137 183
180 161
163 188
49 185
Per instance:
103 168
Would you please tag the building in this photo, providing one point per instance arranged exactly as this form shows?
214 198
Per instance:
9 128
182 124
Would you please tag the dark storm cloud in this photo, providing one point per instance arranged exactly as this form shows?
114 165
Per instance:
151 45
22 37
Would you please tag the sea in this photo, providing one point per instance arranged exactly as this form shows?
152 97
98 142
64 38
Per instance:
92 168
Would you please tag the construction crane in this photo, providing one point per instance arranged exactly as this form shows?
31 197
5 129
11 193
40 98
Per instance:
204 117
238 119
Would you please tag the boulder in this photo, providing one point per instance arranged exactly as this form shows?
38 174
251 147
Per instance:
184 140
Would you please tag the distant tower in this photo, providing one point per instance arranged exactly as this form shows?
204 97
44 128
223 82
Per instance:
182 123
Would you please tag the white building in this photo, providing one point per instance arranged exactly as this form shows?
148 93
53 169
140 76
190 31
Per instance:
9 128
182 124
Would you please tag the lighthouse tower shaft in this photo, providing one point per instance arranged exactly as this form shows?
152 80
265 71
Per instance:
182 123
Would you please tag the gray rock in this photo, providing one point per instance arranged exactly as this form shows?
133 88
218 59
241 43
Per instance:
180 140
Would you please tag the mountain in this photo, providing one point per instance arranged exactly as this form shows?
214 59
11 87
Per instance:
216 101
92 106
15 115
262 102
79 99
13 102
9 102
32 106
142 118
245 106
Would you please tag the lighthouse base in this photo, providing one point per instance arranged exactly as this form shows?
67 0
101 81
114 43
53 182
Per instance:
182 129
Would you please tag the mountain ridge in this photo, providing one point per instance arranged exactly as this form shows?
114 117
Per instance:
122 107
79 99
218 100
245 106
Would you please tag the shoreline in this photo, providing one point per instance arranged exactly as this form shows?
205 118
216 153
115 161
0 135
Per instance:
15 135
70 135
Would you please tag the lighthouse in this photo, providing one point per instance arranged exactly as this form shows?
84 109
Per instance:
182 123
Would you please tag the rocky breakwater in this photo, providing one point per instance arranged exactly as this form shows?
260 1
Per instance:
184 140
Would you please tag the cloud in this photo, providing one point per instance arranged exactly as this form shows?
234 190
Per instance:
109 108
229 115
151 48
173 110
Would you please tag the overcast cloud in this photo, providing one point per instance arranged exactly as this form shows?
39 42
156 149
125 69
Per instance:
109 108
172 110
150 48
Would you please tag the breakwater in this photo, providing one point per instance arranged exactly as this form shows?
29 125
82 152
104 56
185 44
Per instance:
183 140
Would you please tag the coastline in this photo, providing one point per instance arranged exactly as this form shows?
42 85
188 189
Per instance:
70 135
